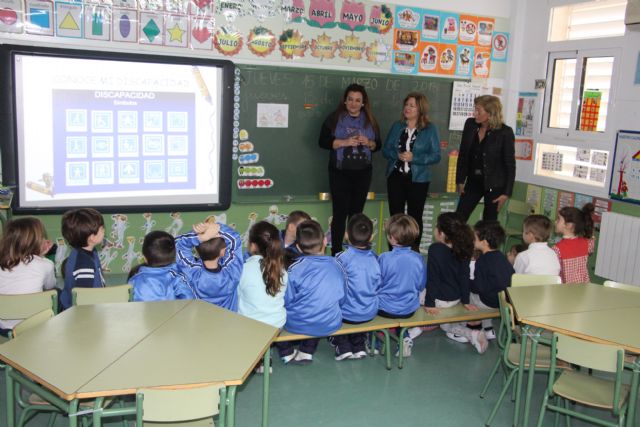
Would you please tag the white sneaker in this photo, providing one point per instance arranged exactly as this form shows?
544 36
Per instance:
342 356
303 358
260 369
458 338
479 341
490 333
407 344
289 358
414 332
359 355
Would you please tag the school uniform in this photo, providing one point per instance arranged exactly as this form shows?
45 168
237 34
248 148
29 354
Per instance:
492 275
404 275
361 301
160 284
314 291
253 299
539 258
82 269
218 286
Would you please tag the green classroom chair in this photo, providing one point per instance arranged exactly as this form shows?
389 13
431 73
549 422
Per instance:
192 407
515 213
109 294
581 388
31 321
509 358
519 279
623 286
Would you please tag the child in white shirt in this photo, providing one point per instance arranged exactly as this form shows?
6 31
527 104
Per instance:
539 258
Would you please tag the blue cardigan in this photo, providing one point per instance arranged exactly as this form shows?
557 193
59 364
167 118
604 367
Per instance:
426 151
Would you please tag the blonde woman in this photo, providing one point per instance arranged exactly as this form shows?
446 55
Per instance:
486 163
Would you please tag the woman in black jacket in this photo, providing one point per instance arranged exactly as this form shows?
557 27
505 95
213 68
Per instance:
486 162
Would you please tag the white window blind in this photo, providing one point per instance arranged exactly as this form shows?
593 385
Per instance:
592 19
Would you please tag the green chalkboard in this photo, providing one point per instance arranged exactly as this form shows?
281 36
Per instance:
291 157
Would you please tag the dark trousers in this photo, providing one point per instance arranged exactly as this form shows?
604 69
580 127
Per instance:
473 192
386 315
349 190
350 342
307 346
401 191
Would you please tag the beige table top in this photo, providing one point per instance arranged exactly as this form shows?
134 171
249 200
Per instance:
531 301
112 349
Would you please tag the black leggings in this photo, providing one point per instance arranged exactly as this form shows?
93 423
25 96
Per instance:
473 192
402 190
349 190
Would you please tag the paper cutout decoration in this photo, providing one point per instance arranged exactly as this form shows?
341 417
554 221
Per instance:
127 4
322 47
408 18
151 25
482 62
245 147
124 25
177 31
250 184
449 26
261 41
378 52
245 159
468 30
202 33
292 44
263 9
431 23
351 48
292 10
11 16
485 31
500 47
251 171
380 19
322 14
177 6
151 5
352 16
39 17
227 42
97 22
202 8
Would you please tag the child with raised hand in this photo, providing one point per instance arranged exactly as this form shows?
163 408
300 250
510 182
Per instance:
363 280
83 229
23 267
314 291
573 250
264 279
158 279
448 267
216 271
404 273
539 258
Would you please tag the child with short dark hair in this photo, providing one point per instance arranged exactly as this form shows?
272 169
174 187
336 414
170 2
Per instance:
492 274
576 227
288 236
158 279
84 230
216 272
363 280
312 299
514 251
23 266
404 273
539 258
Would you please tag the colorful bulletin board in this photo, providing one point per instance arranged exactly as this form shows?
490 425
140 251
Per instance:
625 175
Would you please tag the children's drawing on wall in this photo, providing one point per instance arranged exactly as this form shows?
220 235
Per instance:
120 224
526 113
149 223
221 219
176 224
274 217
253 218
130 256
625 175
273 115
107 254
61 253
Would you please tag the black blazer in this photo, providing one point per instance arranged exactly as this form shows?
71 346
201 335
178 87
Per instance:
499 161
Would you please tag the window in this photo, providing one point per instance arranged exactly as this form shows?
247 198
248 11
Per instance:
579 165
578 99
587 20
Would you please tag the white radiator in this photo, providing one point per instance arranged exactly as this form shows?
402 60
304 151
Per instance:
619 248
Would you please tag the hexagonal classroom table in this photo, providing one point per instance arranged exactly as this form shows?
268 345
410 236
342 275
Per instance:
113 349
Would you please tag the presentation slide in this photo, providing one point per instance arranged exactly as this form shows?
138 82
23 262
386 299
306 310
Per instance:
96 132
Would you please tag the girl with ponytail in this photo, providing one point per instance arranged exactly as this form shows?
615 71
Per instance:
263 279
576 227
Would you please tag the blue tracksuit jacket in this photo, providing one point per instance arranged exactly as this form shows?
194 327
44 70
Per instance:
404 275
312 299
160 283
220 286
363 280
